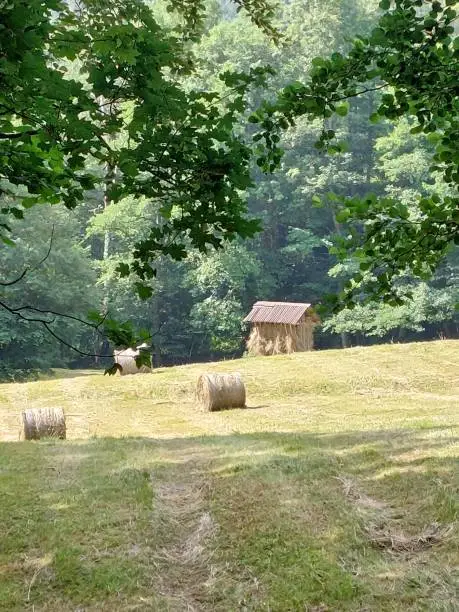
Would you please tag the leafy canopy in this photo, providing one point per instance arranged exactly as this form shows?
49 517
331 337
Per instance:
122 105
91 96
412 56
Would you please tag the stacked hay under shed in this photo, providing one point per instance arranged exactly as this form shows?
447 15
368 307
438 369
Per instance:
281 327
277 339
44 423
220 391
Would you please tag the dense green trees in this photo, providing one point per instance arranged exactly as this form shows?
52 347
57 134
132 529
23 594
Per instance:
412 56
402 166
57 276
122 83
166 168
122 104
91 97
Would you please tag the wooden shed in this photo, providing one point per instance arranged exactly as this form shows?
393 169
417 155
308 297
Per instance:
281 327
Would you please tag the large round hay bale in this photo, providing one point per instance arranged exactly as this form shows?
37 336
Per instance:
220 391
44 423
126 358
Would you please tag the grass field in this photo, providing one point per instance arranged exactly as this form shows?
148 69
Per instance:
336 489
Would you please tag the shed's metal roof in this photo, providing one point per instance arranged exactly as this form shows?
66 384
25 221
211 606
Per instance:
289 313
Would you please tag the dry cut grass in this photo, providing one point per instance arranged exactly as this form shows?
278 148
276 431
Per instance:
336 489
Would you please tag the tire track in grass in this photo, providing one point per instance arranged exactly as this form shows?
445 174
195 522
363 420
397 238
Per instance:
192 571
186 531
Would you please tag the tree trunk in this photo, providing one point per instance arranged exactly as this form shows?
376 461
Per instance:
109 179
344 335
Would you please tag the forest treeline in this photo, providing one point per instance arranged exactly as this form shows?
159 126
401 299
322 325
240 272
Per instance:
197 305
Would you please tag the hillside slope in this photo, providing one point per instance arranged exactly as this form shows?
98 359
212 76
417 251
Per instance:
303 391
337 489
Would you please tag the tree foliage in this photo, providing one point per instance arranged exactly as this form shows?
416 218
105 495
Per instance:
179 146
57 276
412 56
97 85
166 166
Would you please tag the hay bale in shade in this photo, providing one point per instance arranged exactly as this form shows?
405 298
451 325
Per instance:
126 359
44 423
220 391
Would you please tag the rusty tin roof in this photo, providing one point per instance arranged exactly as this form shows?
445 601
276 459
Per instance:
289 313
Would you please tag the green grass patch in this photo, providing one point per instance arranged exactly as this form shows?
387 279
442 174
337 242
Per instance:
319 497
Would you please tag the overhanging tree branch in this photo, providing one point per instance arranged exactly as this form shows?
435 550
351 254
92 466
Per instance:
16 135
27 271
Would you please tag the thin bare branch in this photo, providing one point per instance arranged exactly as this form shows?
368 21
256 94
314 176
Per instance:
16 280
17 135
70 346
58 314
27 271
47 325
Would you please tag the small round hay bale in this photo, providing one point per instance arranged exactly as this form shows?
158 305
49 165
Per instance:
44 423
220 391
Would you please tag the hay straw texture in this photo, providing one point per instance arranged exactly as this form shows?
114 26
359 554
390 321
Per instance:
44 423
220 391
399 542
126 359
279 338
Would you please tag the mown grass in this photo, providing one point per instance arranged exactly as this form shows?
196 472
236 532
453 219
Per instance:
153 505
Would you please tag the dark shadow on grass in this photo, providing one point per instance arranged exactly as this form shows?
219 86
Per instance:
256 475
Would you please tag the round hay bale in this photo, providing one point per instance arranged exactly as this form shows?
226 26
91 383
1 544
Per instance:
126 359
220 391
44 423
